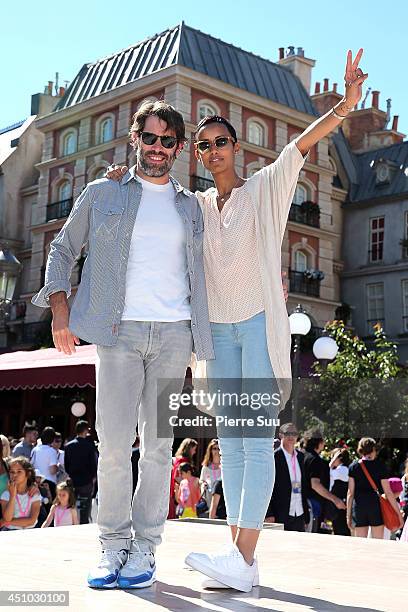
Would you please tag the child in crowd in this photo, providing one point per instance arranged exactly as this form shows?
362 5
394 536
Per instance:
20 504
63 511
188 493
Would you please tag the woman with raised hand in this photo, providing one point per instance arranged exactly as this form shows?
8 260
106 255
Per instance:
244 225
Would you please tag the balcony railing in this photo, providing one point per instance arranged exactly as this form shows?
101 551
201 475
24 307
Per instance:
35 333
199 183
59 210
299 283
309 215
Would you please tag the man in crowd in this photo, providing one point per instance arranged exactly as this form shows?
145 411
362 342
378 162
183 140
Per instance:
44 458
25 447
317 475
81 466
288 503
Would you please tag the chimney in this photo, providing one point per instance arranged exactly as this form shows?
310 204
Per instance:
49 88
395 123
326 99
375 99
61 91
300 65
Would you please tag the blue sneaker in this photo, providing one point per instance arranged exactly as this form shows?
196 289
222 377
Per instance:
105 574
139 570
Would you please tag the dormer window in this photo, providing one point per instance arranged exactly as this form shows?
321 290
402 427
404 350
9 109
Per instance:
382 171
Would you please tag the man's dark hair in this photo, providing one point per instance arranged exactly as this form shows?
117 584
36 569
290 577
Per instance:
216 119
28 427
81 426
312 440
48 435
163 111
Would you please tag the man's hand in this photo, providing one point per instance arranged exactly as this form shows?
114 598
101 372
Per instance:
64 340
285 285
340 505
115 172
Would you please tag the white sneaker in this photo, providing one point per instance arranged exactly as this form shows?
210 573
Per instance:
227 567
209 583
139 570
105 574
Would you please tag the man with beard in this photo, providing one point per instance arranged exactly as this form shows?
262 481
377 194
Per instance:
142 301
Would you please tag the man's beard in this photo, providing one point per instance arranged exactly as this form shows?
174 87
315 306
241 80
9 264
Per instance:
149 169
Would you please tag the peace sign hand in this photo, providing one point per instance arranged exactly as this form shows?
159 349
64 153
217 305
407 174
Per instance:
354 79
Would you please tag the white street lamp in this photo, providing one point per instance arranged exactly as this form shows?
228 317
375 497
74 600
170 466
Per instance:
300 325
325 348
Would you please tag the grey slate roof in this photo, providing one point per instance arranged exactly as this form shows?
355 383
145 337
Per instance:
200 52
360 169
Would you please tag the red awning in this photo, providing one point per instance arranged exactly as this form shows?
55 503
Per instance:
48 368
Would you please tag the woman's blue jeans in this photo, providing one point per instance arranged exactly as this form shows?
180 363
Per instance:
247 461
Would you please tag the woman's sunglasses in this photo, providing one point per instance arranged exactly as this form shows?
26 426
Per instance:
168 142
220 142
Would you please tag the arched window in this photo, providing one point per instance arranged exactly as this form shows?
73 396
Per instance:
256 133
300 261
69 142
64 191
206 109
106 130
300 195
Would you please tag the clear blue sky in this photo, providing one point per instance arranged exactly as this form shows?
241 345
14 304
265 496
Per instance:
38 39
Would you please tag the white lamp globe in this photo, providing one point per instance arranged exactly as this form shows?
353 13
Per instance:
325 348
78 409
300 323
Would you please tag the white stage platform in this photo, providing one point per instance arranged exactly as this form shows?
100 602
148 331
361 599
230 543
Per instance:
298 572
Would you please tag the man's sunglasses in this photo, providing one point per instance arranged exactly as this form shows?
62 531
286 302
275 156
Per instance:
220 142
168 142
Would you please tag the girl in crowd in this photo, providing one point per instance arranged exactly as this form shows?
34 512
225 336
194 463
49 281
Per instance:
184 454
187 492
6 453
210 471
63 511
339 476
4 477
363 505
20 509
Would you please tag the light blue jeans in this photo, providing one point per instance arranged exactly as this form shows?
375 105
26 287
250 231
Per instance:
127 377
247 462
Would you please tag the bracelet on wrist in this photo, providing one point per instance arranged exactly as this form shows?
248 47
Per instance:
340 117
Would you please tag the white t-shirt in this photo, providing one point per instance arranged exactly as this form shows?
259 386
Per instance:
157 283
339 473
22 506
42 458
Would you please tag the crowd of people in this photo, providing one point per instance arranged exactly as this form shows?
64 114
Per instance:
311 493
42 485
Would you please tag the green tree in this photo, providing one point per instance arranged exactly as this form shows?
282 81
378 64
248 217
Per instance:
364 391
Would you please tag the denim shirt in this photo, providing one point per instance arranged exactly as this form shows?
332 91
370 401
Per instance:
103 217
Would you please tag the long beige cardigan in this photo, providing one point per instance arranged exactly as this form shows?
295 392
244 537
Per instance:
272 189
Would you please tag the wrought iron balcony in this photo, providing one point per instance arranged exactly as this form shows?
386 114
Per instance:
199 183
59 210
307 213
300 283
